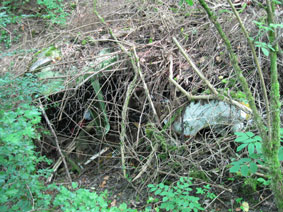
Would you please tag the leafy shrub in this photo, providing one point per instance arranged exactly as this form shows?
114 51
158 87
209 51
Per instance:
253 144
20 185
179 197
19 180
85 200
5 20
54 11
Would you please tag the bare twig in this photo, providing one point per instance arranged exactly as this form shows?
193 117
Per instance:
211 87
130 89
71 147
147 164
138 69
195 68
136 66
259 70
96 155
213 200
57 142
179 87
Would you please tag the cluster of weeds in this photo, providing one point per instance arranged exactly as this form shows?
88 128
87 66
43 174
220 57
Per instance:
11 13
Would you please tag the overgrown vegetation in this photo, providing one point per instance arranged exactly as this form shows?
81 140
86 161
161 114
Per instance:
269 130
116 112
12 12
21 182
18 162
179 197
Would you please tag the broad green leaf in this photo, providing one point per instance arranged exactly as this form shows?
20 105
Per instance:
245 170
241 137
249 134
265 51
164 199
157 192
251 148
242 146
253 167
234 169
258 147
257 138
244 160
161 185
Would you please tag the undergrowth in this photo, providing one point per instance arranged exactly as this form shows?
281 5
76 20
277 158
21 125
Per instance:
22 183
11 13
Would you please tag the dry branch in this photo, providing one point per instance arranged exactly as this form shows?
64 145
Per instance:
57 142
211 87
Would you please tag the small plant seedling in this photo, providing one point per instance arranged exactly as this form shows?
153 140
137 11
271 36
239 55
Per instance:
179 197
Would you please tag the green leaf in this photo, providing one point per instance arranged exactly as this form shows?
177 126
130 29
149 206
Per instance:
190 2
157 192
280 154
200 191
258 147
245 170
257 138
241 137
151 186
234 168
12 192
265 51
253 167
244 160
251 148
74 185
165 199
249 134
242 146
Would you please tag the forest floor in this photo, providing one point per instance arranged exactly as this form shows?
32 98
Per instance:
145 29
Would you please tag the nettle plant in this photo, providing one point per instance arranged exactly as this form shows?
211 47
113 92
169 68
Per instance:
253 144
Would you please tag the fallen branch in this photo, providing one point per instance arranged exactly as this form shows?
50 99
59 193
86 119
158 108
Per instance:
136 66
57 142
96 155
210 86
71 147
146 165
130 89
179 87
